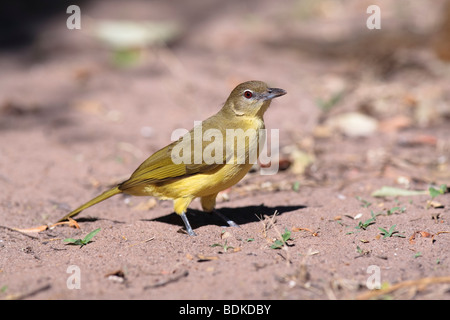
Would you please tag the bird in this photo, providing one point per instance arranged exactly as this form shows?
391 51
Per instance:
194 167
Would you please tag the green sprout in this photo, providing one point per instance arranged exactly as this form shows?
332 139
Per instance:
363 225
396 210
279 243
390 233
364 203
82 242
224 246
436 192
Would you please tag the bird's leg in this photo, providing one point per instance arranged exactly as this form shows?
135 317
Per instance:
230 222
180 206
208 204
187 224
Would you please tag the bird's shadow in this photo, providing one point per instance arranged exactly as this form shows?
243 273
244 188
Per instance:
240 215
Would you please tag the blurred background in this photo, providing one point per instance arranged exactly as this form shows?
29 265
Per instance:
88 102
80 109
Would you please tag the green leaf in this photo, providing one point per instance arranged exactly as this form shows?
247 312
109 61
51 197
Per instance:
433 192
70 240
365 224
286 235
77 242
82 242
224 246
396 209
277 244
436 192
384 232
364 203
281 242
392 228
90 235
391 232
396 192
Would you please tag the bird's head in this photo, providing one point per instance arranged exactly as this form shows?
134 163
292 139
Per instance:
251 98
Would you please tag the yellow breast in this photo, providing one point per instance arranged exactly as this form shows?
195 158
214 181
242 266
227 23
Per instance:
201 185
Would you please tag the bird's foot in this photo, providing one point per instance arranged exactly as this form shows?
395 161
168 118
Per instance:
188 225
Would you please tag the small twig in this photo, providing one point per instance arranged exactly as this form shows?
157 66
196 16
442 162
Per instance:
31 293
420 283
267 222
285 247
141 242
440 232
165 282
70 222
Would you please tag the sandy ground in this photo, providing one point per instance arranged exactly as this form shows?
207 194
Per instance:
74 120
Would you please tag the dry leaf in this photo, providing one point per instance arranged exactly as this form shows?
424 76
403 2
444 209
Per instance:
33 229
314 234
202 258
434 204
71 222
189 256
424 234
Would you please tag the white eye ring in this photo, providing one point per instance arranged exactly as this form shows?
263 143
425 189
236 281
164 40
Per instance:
248 94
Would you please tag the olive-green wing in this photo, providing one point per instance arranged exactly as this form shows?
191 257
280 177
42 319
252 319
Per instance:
160 167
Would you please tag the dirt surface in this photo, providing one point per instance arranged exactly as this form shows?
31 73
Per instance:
76 119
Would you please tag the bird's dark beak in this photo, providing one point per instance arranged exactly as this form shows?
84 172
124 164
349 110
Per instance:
273 93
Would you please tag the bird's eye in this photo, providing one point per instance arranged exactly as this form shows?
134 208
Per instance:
248 94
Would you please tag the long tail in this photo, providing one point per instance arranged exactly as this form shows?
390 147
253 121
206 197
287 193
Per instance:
105 195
